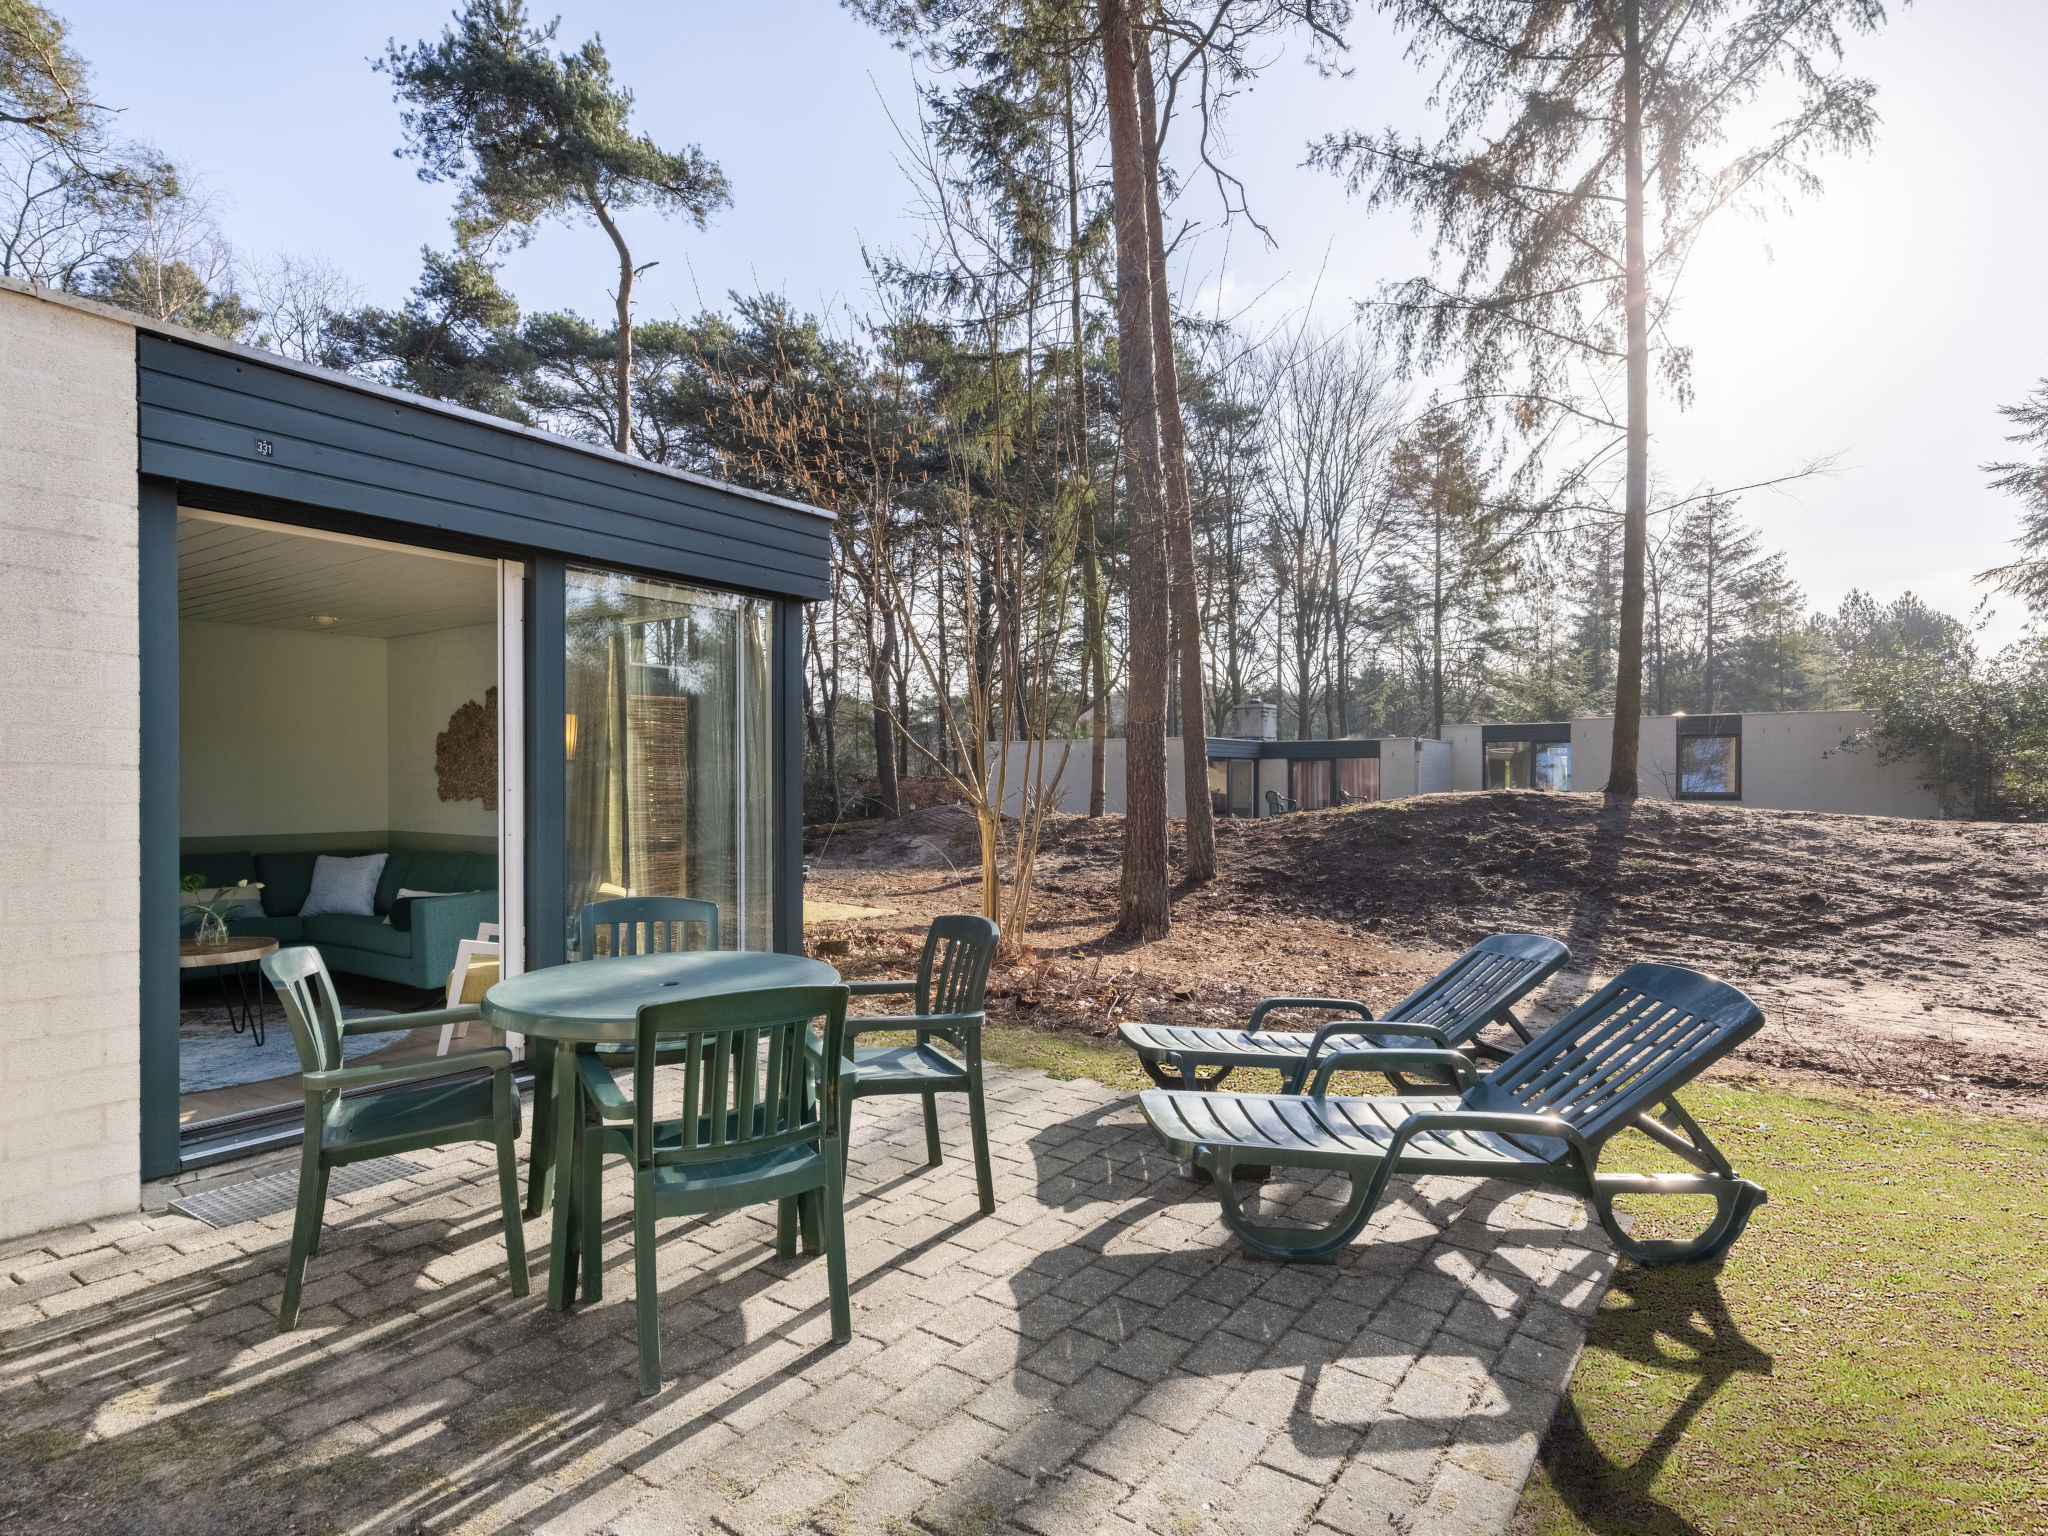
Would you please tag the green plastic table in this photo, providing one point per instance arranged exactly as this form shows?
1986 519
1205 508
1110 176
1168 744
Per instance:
567 1008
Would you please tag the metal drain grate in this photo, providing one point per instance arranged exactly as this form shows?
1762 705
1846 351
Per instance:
275 1192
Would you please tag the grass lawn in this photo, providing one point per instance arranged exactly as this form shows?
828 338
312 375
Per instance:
1873 1356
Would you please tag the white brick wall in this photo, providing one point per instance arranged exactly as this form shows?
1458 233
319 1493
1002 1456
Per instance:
70 1026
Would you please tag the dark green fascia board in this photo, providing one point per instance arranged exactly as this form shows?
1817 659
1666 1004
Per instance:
235 423
1710 725
1234 748
1313 751
1541 733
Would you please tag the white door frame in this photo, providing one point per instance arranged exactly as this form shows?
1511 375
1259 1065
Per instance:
512 773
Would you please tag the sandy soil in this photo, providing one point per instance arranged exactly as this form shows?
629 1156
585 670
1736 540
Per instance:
1901 955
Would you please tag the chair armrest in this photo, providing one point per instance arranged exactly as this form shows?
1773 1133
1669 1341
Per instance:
942 1022
496 1058
1391 1061
875 988
433 1018
603 1089
1271 1003
1501 1122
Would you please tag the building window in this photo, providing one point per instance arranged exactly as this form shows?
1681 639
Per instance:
1309 782
1710 766
1358 778
669 778
1529 765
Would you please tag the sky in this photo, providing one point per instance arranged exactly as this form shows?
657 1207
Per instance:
1879 326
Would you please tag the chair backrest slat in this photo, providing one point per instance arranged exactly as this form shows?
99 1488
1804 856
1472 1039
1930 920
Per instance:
310 1005
952 973
645 925
747 1075
1648 1032
1461 999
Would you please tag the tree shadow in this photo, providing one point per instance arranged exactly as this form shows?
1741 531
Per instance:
1676 1321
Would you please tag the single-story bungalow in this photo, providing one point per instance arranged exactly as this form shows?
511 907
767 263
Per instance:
410 671
1813 760
1781 760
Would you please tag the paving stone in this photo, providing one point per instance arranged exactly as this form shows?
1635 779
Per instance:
1095 1357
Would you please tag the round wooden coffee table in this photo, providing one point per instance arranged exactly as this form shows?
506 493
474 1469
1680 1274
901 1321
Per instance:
238 951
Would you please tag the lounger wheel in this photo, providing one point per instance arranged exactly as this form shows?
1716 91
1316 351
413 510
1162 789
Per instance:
1734 1200
1159 1073
1300 1245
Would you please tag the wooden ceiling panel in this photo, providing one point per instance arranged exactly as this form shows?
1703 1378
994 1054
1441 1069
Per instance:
237 571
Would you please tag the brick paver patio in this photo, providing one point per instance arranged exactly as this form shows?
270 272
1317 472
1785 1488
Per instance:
1095 1357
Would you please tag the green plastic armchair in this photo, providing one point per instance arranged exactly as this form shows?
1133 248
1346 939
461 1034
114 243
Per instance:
357 1113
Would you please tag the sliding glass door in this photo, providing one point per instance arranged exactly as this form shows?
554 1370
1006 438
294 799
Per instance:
669 775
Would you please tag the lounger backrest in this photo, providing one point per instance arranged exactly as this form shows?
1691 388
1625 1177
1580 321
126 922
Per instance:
1493 974
1645 1034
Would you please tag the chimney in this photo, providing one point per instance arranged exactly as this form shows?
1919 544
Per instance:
1255 720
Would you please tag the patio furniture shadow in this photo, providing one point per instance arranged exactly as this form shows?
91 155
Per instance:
1110 1323
419 1395
1676 1321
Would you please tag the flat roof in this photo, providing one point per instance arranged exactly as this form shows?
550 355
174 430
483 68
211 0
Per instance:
283 364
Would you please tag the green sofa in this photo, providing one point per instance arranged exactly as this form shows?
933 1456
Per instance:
419 955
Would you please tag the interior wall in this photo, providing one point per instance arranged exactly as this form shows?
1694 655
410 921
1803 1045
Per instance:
428 678
281 731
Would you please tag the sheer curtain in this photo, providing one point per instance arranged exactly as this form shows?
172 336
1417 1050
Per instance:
669 776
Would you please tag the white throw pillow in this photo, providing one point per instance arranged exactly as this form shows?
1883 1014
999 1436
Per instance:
344 885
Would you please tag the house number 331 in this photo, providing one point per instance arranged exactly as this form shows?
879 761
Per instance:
265 447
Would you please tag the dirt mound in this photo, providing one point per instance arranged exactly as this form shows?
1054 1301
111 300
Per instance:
1905 954
933 837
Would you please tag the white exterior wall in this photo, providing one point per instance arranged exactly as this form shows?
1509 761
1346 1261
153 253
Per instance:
1435 771
1656 755
70 779
1467 752
1795 762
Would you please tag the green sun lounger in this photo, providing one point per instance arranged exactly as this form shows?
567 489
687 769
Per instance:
1446 1012
1542 1118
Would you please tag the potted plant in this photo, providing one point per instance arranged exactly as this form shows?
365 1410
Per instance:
213 912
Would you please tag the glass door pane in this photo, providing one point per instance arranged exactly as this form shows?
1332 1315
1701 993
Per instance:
669 775
1359 777
1311 784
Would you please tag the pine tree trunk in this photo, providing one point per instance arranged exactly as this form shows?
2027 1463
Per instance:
1180 515
1143 896
1622 773
622 358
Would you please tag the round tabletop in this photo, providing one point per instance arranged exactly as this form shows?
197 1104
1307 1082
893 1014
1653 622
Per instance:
192 955
600 1000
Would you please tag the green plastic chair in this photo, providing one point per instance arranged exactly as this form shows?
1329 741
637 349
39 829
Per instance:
645 925
1446 1012
629 925
1541 1118
949 988
357 1113
761 1120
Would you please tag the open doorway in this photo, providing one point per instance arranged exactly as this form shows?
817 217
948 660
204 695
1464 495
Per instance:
341 745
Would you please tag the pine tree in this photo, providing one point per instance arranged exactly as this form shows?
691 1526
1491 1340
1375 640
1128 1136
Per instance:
1579 163
532 135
